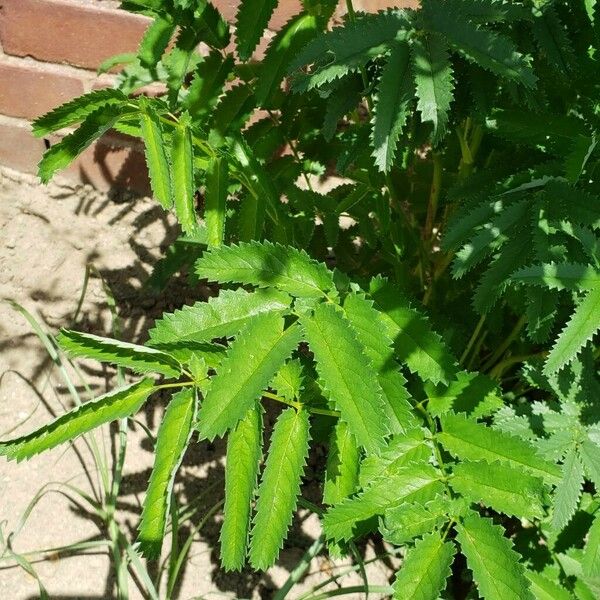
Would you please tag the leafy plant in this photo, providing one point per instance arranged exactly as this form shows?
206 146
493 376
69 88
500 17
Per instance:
458 405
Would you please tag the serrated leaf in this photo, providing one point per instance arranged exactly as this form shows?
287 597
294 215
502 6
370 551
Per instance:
559 276
341 472
346 376
244 452
207 84
582 326
156 156
412 482
568 491
590 457
140 359
173 437
409 520
279 487
425 569
71 146
500 486
469 440
295 34
76 110
252 360
117 404
289 380
370 330
490 556
434 82
543 588
155 41
591 554
251 21
346 49
222 316
394 95
216 200
267 265
483 47
182 177
414 341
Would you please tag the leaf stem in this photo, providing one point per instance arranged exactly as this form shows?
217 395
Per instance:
299 406
505 344
474 336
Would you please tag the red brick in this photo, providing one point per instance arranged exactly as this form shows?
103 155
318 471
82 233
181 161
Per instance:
65 32
19 150
29 90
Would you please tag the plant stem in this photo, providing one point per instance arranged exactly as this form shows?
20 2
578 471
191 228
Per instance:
472 340
505 344
434 195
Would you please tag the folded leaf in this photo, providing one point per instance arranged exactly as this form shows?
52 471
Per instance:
115 405
173 437
140 359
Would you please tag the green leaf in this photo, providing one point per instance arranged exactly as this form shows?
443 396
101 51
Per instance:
369 327
251 21
591 553
545 589
485 48
71 146
434 81
252 360
133 356
215 30
289 380
500 486
216 200
76 110
568 491
414 341
495 565
469 440
267 265
115 405
590 457
155 41
425 569
295 34
409 520
156 155
394 95
346 376
182 172
279 487
346 49
244 452
172 440
341 472
582 326
412 482
561 276
223 316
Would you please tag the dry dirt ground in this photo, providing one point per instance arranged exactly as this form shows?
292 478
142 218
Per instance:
47 237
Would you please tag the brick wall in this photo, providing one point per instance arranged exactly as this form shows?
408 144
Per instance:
50 50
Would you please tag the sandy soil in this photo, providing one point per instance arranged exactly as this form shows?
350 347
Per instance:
47 237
